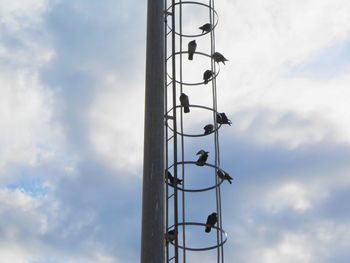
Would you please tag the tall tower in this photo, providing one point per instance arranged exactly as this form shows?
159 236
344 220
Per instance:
182 216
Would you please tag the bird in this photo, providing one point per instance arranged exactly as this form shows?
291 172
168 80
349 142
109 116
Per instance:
207 75
192 45
211 221
208 128
224 176
170 236
218 57
221 118
206 27
202 158
172 179
185 102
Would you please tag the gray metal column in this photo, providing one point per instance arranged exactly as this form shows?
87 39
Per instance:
153 198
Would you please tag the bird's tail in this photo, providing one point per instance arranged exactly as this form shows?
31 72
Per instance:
186 109
205 81
207 229
190 56
229 180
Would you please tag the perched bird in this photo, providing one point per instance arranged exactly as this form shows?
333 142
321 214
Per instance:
185 102
170 236
191 49
224 176
173 180
211 221
221 118
202 158
208 128
207 75
206 27
218 57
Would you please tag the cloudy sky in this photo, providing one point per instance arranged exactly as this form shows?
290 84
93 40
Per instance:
71 128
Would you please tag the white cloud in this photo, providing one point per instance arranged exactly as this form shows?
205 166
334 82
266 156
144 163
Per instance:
17 15
21 225
308 242
292 248
264 41
290 195
309 246
28 134
115 128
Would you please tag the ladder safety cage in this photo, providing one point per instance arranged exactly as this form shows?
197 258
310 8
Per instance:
181 48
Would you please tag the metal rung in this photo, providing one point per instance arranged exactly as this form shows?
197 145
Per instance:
169 83
172 136
171 258
170 196
169 117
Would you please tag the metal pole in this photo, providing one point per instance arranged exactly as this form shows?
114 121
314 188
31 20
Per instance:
153 198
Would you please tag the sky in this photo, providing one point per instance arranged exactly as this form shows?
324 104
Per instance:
71 129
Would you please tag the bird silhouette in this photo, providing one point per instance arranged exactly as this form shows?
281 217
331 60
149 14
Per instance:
207 75
192 45
218 57
202 158
224 176
170 236
208 128
206 27
221 118
173 180
185 102
211 221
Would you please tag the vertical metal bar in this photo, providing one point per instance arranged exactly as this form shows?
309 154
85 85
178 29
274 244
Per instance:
183 210
217 147
173 46
166 128
216 138
153 199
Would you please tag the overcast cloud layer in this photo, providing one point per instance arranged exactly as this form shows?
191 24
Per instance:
71 127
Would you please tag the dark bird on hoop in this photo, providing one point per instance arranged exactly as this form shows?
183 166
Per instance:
211 221
221 118
192 45
203 157
208 129
206 27
218 57
185 102
207 75
224 176
173 180
170 236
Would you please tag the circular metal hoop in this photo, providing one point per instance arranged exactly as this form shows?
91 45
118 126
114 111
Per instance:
194 3
193 135
194 83
199 189
200 248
